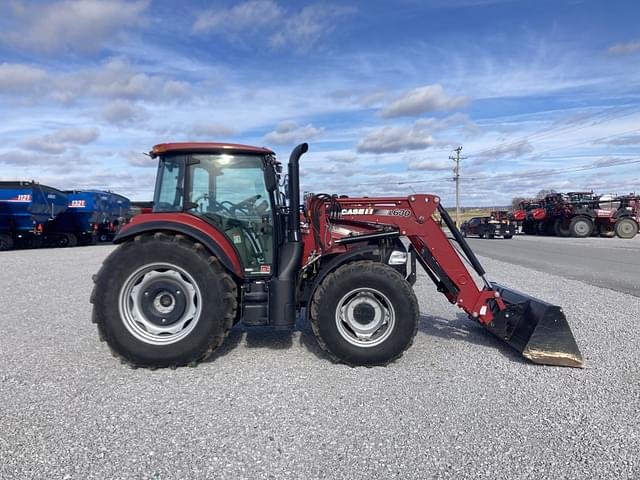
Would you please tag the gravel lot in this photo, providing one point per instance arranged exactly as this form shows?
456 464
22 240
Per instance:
270 405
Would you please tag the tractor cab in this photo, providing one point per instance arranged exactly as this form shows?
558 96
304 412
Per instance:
232 187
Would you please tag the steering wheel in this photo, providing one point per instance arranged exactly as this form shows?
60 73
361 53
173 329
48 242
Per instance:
248 202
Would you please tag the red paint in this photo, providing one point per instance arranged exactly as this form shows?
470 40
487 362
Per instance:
519 215
164 148
538 214
198 224
419 226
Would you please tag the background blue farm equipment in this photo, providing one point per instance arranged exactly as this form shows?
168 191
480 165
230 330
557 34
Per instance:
91 215
26 208
86 210
35 215
120 214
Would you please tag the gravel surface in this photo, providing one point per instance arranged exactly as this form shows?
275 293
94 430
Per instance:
458 404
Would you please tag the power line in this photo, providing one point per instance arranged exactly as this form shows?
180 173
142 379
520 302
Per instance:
607 115
579 168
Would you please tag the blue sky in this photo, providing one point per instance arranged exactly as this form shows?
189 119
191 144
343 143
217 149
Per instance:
540 94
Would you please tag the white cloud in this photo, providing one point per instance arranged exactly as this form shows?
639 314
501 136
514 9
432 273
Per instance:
625 48
514 150
20 160
176 88
430 165
373 98
61 140
303 30
289 132
122 112
457 120
117 78
18 78
415 137
396 139
430 98
73 25
244 16
342 157
139 159
621 141
298 31
212 130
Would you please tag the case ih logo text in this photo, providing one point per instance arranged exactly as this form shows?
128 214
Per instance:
356 211
401 212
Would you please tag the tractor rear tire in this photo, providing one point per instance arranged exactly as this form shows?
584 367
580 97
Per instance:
364 313
561 229
155 276
6 242
626 228
581 227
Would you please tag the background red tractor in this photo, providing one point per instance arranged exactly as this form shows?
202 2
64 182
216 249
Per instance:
223 245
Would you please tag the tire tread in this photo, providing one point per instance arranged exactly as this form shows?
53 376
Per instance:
351 268
230 295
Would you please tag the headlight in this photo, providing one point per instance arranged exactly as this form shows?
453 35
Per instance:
397 258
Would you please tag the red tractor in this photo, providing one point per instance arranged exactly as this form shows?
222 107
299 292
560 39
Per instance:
618 215
223 245
581 214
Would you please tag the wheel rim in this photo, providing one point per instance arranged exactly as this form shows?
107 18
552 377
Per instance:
365 317
160 304
626 228
581 228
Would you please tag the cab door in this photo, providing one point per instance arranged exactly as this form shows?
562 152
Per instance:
229 191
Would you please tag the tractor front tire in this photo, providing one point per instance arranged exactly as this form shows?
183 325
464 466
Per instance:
626 228
581 227
364 313
161 300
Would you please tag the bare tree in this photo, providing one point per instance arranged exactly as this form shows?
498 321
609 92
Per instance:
515 202
544 192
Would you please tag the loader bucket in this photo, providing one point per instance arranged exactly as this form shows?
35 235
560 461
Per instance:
537 329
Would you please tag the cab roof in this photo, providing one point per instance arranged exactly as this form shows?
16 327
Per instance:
185 147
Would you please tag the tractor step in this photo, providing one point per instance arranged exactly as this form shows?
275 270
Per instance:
255 304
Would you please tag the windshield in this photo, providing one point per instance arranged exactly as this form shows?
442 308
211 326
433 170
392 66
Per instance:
227 191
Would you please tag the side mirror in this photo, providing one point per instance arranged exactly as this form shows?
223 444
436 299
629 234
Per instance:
271 181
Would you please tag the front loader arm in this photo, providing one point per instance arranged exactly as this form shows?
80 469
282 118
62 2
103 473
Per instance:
414 218
537 329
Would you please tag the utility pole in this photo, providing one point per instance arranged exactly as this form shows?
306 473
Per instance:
456 178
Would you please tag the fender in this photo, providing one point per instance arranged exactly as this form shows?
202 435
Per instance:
366 253
209 235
